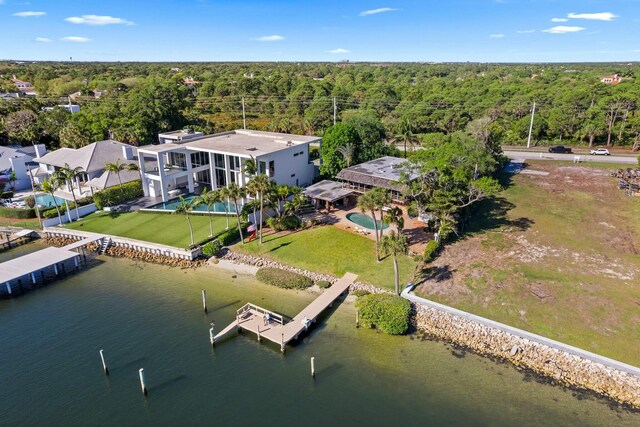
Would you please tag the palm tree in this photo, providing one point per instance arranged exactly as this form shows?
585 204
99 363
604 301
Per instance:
236 194
68 175
250 167
184 208
347 152
382 198
404 134
252 191
366 203
208 198
261 184
395 216
395 244
118 167
50 186
224 195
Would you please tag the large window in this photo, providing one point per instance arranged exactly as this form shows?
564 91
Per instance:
203 177
272 168
199 159
178 159
263 168
221 178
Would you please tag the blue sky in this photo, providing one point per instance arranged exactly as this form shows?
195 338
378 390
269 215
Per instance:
330 30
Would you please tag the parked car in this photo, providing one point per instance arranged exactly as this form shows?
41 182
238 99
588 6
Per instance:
560 149
600 152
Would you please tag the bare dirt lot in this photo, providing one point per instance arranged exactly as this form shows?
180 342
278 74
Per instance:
556 254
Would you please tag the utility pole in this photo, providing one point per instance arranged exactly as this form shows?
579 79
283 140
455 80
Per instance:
335 110
533 112
244 118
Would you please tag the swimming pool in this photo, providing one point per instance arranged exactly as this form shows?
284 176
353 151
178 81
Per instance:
365 221
47 200
172 204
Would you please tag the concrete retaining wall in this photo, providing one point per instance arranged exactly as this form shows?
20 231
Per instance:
84 210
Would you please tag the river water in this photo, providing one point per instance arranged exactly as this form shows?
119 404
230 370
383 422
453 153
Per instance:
149 316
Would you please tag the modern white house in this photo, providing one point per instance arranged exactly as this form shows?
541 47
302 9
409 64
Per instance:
185 160
19 160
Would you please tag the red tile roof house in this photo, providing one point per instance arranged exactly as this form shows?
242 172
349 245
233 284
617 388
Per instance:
611 80
25 87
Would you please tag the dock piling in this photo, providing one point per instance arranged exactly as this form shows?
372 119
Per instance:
313 367
142 384
357 319
8 287
258 332
104 365
212 334
204 300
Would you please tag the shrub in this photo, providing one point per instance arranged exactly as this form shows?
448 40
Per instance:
17 213
639 161
231 235
360 293
52 213
30 201
389 313
6 195
283 278
323 284
431 251
211 248
412 210
289 222
115 195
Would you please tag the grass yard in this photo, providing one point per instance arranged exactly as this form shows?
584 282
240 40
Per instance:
327 249
556 255
31 224
166 229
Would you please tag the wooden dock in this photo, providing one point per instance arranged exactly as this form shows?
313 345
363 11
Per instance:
273 327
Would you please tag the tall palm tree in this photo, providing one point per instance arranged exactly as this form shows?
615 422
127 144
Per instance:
262 184
382 198
208 198
252 191
184 208
236 194
224 195
367 203
50 186
395 244
347 151
250 167
69 175
395 216
404 134
116 168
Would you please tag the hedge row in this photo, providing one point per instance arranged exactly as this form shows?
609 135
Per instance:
17 213
389 313
231 235
211 248
52 213
283 278
116 195
431 251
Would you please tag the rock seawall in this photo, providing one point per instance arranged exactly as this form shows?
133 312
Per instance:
563 367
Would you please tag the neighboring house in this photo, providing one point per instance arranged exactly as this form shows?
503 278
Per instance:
14 158
178 135
91 159
611 80
95 93
384 172
190 81
23 86
71 108
216 160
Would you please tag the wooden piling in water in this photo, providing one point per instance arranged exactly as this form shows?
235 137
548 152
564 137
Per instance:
104 364
204 300
142 383
313 367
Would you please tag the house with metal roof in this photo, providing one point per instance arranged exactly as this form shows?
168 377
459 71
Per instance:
183 161
385 172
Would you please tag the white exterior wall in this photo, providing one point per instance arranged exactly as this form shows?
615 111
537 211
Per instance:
290 169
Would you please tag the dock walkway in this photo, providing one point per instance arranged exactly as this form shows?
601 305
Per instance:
272 326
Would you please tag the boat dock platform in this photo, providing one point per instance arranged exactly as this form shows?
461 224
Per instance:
272 326
28 267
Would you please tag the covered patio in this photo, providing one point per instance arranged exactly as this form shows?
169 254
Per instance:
328 194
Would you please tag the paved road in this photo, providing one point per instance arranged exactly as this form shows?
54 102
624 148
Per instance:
528 155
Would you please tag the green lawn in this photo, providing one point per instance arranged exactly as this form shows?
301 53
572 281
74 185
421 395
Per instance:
166 229
330 250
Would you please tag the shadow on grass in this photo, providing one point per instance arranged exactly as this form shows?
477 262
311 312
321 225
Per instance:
492 214
436 273
282 245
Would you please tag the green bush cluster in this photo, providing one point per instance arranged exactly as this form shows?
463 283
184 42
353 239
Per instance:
360 293
430 251
323 284
231 235
389 313
116 195
281 223
17 213
211 248
283 278
30 201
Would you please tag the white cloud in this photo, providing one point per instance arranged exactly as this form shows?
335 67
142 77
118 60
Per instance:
525 31
376 11
75 39
562 29
338 50
42 40
97 20
272 38
603 16
29 14
559 19
496 36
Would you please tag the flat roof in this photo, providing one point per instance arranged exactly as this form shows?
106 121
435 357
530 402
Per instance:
383 172
241 142
327 190
181 134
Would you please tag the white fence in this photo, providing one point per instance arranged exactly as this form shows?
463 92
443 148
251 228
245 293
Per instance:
84 210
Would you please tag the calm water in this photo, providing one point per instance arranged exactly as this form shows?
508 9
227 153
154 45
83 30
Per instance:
150 317
365 221
171 205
